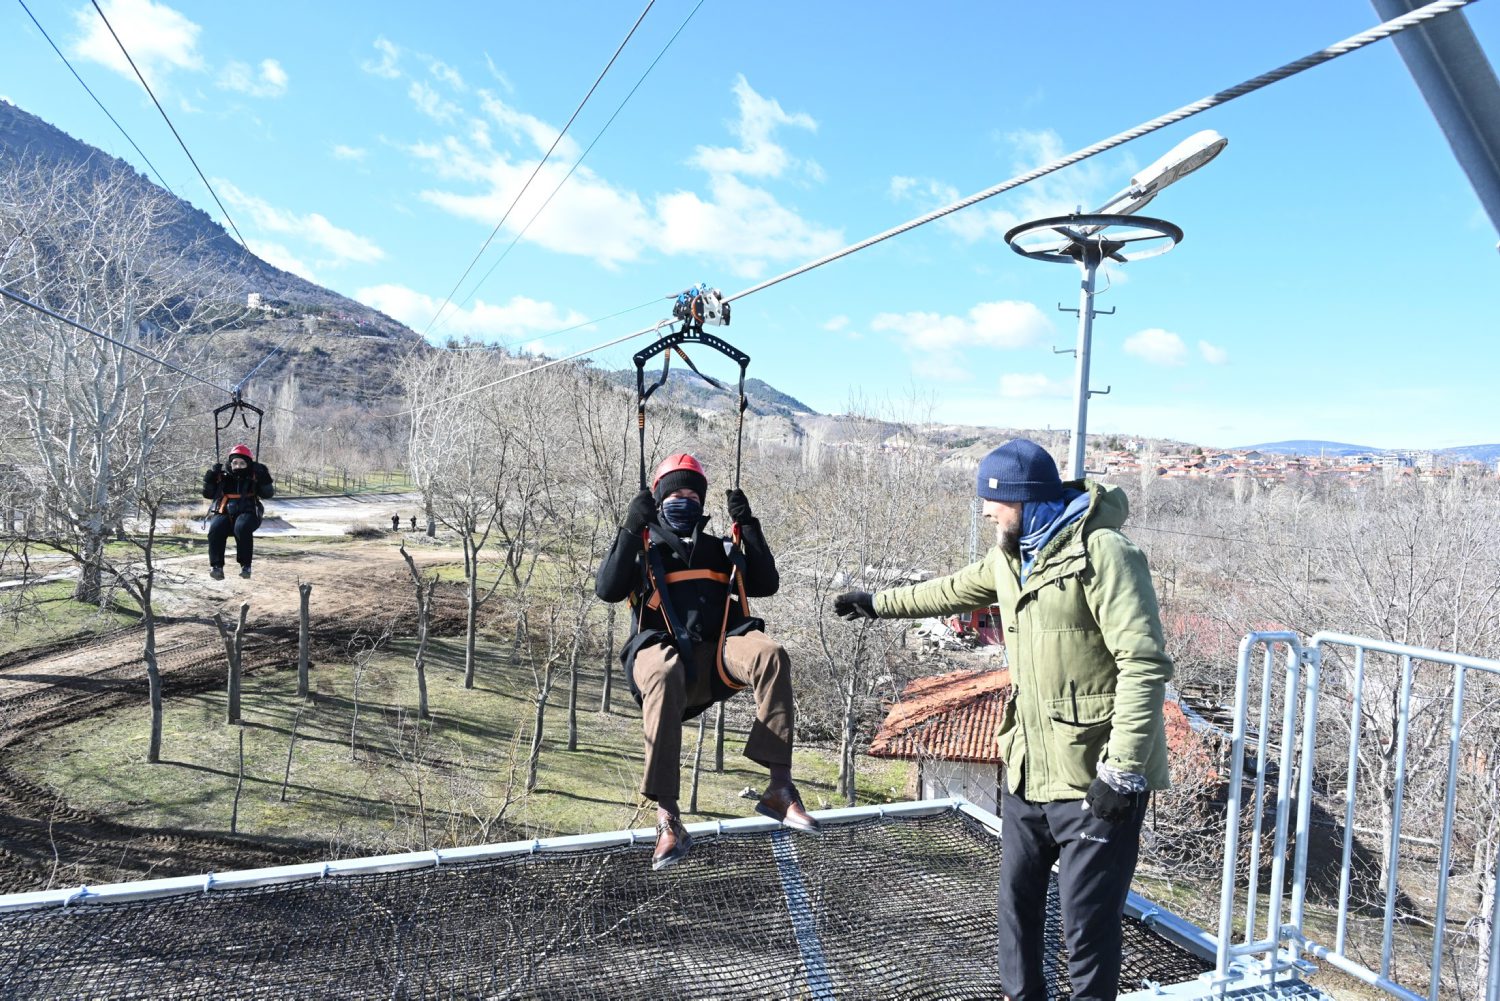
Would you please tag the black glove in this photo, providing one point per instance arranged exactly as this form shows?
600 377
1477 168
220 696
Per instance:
1107 804
853 605
640 513
218 467
739 506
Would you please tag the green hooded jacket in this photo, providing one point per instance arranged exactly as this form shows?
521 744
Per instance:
1088 664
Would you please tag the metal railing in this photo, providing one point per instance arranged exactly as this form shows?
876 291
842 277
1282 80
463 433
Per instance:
1391 701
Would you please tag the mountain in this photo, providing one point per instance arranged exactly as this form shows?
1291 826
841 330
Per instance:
1306 447
1489 454
687 390
338 348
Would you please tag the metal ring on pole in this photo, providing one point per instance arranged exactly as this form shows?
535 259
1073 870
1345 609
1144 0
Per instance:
1077 233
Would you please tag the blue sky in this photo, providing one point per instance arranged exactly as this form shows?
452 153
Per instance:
1336 279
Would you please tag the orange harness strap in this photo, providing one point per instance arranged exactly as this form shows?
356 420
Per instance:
654 602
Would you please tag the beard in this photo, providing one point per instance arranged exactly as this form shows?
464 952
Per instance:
1008 539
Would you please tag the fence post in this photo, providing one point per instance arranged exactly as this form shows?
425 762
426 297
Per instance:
303 639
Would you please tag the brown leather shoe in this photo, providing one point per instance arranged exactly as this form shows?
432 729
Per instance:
673 842
785 805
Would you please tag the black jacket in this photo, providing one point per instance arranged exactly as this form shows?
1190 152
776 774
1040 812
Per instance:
238 493
698 604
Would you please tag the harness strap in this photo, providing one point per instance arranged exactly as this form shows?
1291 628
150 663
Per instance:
737 575
654 601
656 574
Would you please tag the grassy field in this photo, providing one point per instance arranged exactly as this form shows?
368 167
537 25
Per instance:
47 613
330 483
401 785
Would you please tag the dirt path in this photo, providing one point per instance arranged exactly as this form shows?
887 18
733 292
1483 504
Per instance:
359 586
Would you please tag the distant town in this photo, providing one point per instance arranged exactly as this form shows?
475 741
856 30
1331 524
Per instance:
1135 457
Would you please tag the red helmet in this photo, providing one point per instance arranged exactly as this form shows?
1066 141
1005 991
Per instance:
242 451
675 473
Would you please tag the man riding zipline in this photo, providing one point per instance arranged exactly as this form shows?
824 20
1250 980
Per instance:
694 643
236 493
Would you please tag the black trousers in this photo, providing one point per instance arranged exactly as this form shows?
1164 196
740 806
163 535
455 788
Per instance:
243 526
1095 861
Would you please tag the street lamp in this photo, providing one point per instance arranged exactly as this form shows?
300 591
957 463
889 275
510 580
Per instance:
1083 242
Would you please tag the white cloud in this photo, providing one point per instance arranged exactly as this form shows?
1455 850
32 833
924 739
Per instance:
521 317
499 75
1081 185
355 153
1157 347
339 245
757 155
160 38
1002 324
836 323
431 103
739 224
528 128
1032 386
1213 354
270 81
447 74
385 66
277 255
938 344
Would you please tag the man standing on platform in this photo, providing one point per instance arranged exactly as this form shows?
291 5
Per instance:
1083 736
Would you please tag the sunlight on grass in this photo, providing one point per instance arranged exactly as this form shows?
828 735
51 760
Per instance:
366 798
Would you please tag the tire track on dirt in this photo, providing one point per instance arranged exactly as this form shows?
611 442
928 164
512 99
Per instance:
45 841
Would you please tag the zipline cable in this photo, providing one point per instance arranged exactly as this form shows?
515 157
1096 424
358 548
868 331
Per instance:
1381 31
537 214
241 384
168 120
159 178
22 300
537 169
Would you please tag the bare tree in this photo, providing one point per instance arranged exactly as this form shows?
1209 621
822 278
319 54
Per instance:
869 516
424 610
460 450
81 244
234 650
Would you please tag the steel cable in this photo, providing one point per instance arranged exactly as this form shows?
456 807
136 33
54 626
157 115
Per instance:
1381 31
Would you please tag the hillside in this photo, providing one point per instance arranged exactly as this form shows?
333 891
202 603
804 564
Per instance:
319 328
688 390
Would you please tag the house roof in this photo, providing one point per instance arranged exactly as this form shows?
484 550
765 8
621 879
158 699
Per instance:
954 717
949 716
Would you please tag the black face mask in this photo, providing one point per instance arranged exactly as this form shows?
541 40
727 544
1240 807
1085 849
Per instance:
681 514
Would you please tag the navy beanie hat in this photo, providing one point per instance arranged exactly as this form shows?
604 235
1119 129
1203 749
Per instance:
1019 470
676 480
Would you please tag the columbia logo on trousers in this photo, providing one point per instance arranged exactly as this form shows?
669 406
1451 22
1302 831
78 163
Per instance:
1086 836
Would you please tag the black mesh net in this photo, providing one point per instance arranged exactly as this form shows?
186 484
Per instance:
884 908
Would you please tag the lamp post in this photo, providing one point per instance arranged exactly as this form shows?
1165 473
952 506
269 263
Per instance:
1084 242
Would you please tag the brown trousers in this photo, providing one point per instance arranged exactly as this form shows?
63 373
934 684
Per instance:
753 660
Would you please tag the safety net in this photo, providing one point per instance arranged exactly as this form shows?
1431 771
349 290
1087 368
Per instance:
876 907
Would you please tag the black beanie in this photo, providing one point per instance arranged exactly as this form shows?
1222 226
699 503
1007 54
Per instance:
678 479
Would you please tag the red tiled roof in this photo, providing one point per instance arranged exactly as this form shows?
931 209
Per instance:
953 717
948 716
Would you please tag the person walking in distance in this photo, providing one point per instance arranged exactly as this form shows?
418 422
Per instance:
236 493
693 642
395 523
1083 736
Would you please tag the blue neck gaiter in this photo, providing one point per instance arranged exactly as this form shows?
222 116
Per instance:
681 514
